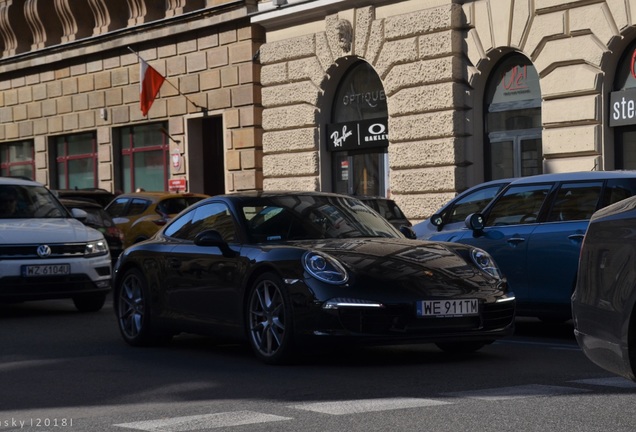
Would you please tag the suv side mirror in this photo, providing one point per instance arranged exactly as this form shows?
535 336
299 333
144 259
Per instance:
475 221
79 214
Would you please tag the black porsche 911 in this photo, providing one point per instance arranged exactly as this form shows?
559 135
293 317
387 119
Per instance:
288 270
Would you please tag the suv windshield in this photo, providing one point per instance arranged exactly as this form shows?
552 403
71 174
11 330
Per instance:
27 202
313 217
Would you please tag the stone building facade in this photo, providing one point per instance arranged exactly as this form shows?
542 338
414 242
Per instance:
450 100
416 99
70 94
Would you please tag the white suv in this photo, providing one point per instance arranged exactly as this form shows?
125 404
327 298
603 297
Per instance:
46 252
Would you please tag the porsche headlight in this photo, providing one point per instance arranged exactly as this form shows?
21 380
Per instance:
96 248
484 261
325 268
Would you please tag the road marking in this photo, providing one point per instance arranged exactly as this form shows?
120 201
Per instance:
619 382
346 407
206 421
516 392
366 405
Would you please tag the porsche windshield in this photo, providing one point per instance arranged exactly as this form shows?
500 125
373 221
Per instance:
306 217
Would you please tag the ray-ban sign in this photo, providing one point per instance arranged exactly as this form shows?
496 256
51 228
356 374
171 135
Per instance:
357 135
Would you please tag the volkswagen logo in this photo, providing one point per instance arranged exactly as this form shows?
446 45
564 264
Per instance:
44 251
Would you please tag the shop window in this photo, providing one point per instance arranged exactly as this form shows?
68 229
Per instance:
75 161
17 159
622 112
513 120
144 157
357 136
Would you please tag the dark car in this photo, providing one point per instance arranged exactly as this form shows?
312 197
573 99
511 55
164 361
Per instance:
388 209
454 213
604 300
292 269
96 217
533 229
100 196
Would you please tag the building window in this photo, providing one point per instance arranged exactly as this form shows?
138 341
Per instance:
513 120
17 159
76 161
144 157
357 136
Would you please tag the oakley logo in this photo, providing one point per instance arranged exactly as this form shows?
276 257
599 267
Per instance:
44 251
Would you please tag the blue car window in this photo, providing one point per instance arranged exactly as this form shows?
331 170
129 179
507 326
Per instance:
617 190
518 205
472 203
575 201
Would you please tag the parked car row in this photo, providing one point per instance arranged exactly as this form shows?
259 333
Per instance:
283 270
272 267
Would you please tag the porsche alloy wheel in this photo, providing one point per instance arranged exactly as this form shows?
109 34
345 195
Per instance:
269 320
133 312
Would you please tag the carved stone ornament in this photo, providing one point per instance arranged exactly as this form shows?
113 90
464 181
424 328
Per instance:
345 34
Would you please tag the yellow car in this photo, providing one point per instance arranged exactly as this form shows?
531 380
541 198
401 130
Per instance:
140 215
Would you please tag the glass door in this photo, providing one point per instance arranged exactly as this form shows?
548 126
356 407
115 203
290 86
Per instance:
515 154
359 173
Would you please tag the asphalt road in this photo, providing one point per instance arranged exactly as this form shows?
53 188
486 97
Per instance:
63 370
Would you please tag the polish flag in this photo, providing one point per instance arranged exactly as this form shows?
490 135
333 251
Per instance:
150 82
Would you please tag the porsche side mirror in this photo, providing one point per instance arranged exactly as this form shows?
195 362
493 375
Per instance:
408 232
212 238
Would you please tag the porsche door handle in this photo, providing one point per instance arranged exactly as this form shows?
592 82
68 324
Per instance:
576 236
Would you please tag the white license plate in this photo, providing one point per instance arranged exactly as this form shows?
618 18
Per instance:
46 270
448 308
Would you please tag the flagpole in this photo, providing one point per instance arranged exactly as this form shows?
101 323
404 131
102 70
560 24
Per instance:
203 109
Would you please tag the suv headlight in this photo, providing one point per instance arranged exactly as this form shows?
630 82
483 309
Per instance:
96 248
324 268
484 261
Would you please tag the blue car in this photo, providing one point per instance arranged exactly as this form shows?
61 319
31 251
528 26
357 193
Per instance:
534 228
